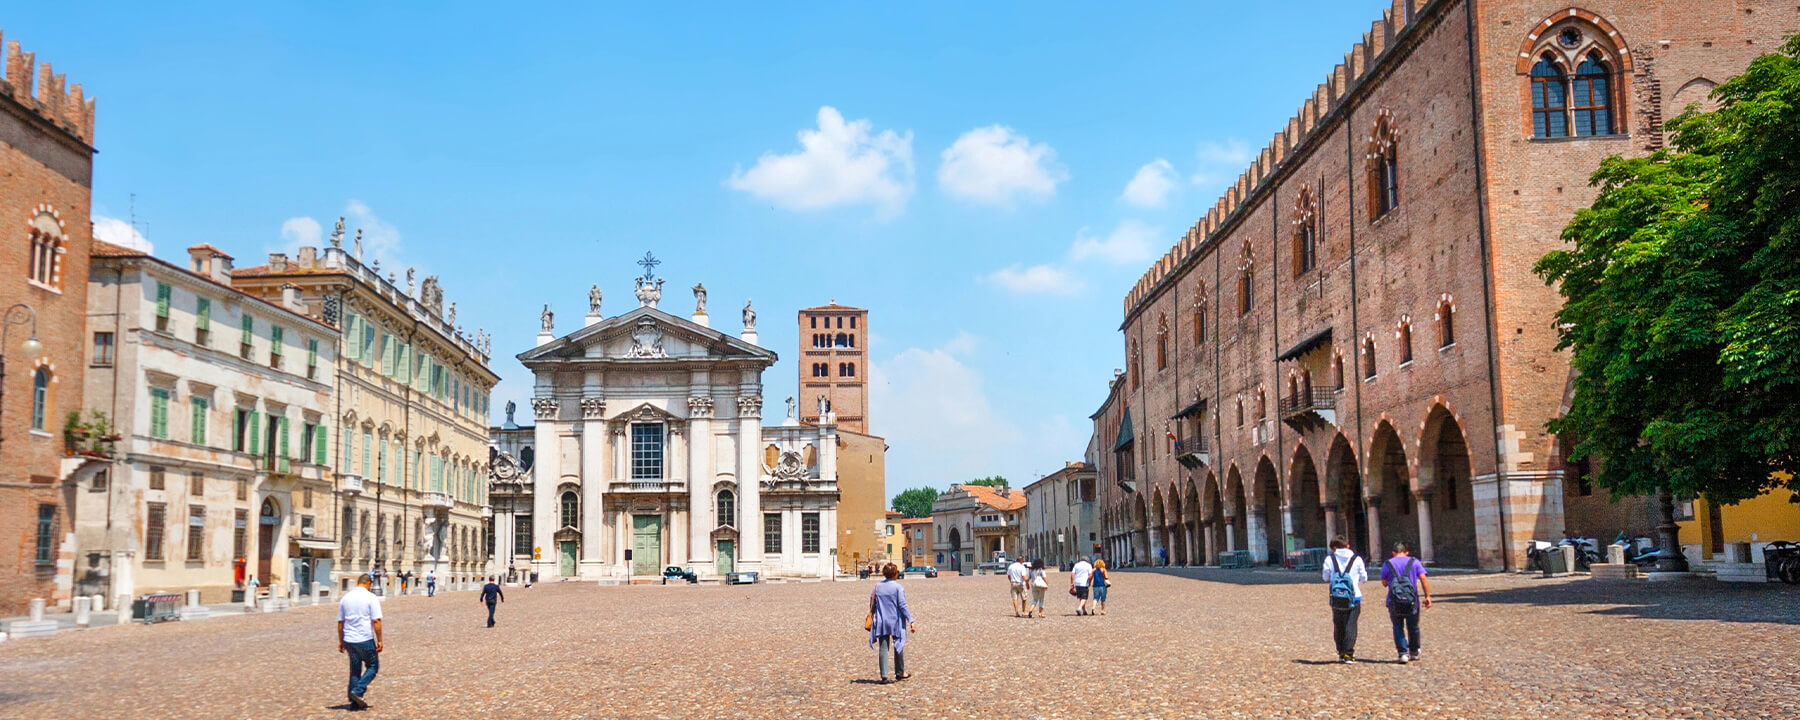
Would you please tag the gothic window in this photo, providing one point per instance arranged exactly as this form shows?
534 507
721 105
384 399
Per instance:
1591 96
46 249
1337 371
1137 370
1549 100
726 508
1246 280
1383 169
570 507
1262 405
1574 69
1403 338
1306 232
646 451
1162 342
1368 357
1200 316
1240 412
1446 321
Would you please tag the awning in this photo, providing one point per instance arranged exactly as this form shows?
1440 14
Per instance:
1125 435
1310 343
312 544
1197 408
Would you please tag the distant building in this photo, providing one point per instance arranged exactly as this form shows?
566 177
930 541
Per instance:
1061 522
917 548
510 481
833 359
971 524
893 539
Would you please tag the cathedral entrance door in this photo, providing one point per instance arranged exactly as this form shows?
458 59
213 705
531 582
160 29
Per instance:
646 544
727 553
566 549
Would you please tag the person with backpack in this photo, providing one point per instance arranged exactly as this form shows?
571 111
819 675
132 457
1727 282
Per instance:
1344 574
1409 592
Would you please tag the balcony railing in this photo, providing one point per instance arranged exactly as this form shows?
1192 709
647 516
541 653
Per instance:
439 500
647 486
1192 452
350 484
1303 409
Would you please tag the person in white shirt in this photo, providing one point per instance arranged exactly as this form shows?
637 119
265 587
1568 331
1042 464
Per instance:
1015 574
359 636
1078 579
1344 574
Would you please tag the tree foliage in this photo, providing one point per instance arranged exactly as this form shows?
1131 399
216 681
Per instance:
995 481
915 503
1682 297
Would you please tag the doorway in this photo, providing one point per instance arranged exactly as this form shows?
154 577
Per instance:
268 524
727 554
566 552
646 544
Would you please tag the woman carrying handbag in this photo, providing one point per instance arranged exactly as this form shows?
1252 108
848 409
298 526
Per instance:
1039 584
888 623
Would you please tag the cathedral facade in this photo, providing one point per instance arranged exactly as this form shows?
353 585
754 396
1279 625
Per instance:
650 451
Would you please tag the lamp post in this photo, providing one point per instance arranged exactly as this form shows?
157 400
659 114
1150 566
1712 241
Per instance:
18 314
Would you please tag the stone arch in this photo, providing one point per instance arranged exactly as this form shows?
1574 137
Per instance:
1139 540
1607 38
1268 500
1698 90
1391 491
1237 532
1446 490
1191 521
1306 499
1346 510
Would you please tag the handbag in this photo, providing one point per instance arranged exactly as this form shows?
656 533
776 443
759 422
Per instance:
1039 582
869 622
1072 591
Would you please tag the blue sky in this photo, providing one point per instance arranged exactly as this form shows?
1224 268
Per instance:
987 179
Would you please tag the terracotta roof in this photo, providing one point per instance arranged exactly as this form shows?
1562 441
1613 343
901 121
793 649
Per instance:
214 250
293 269
102 248
832 306
992 497
916 521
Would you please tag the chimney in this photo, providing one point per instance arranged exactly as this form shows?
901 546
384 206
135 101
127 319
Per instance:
290 298
278 262
309 257
211 263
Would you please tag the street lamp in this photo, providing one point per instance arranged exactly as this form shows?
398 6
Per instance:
18 314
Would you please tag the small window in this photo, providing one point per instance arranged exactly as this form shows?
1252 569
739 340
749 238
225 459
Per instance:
1368 358
1240 412
852 322
809 532
1337 371
570 510
1403 337
40 397
196 534
1446 320
771 533
197 484
46 535
815 322
103 349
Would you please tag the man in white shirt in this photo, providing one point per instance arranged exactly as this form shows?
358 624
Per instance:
1343 566
1015 574
359 636
1078 579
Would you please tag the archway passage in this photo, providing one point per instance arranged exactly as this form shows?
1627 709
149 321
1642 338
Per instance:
1341 473
268 526
1213 515
1452 508
1274 539
1139 539
1398 521
1237 535
1303 505
955 549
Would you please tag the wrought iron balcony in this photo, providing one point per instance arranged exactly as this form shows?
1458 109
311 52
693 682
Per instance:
1192 452
1307 409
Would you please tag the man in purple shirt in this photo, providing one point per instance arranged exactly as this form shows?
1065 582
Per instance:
1409 593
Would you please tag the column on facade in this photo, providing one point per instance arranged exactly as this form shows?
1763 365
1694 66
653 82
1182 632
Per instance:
699 456
503 541
596 473
1230 529
1425 544
1331 521
675 469
1156 542
828 528
1255 523
548 472
1374 514
749 467
1210 531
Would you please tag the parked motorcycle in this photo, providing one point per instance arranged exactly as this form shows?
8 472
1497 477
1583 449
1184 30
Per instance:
1587 552
1785 556
1535 553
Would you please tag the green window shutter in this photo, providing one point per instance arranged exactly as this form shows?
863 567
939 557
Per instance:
319 439
367 451
405 370
312 352
368 344
275 335
350 336
249 325
163 291
199 420
203 314
344 450
282 463
418 471
255 432
159 413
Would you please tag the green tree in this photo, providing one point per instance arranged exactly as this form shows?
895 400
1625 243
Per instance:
995 481
915 503
1683 301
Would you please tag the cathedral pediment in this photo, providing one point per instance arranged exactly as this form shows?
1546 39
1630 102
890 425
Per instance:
649 335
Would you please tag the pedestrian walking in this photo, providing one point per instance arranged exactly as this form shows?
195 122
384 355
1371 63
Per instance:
1409 593
430 583
1079 578
1344 574
1040 584
890 619
359 636
1015 576
1099 583
490 594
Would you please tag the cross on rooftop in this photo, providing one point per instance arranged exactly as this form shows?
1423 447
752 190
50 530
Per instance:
649 263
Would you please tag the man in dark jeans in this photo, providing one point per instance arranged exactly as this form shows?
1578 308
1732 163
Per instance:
359 636
490 594
1344 574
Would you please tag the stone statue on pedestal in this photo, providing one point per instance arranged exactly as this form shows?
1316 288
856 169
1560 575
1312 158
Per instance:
594 297
548 319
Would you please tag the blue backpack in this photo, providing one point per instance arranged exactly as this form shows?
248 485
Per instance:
1403 597
1343 587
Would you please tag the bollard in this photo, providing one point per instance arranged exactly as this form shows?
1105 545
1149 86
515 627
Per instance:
1615 554
82 607
294 593
318 593
122 608
37 609
193 598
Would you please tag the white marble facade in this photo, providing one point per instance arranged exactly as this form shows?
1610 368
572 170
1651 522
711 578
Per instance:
651 452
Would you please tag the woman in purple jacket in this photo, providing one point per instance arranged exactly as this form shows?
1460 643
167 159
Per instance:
890 621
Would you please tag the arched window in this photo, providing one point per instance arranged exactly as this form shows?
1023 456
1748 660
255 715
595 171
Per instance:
1262 405
1383 166
1137 364
1403 337
1162 341
1306 386
1549 99
1240 412
570 509
1337 371
849 369
40 397
1306 235
46 248
1446 320
1200 316
1294 389
1368 358
1590 96
727 508
1246 279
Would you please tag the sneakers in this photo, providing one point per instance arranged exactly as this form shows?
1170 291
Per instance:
1415 657
1405 658
1349 659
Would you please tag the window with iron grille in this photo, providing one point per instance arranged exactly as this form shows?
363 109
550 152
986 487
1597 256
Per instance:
153 532
646 451
46 534
240 533
196 533
196 484
772 533
157 478
809 532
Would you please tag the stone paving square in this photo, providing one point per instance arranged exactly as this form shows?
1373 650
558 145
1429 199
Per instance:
1182 644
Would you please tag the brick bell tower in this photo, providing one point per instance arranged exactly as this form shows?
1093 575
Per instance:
834 355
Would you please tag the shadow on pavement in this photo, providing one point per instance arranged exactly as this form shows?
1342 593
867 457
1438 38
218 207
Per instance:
1690 600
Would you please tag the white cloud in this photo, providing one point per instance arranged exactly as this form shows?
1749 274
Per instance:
1035 280
1152 185
937 419
996 166
1130 242
1220 162
839 163
299 231
121 233
380 239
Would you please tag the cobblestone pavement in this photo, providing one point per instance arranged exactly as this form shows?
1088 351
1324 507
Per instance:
1208 643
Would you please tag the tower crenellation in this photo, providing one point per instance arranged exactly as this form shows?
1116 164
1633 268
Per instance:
66 108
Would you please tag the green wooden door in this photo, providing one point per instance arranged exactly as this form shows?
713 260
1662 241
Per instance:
646 544
567 551
727 554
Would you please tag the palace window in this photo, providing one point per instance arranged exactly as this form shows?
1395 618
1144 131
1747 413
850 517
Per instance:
163 292
1136 359
646 451
726 508
1591 96
771 533
809 532
571 510
1305 232
1383 166
202 321
1583 102
159 413
1246 280
1200 316
1446 321
46 249
240 533
1162 342
1368 358
522 535
46 534
197 423
1549 99
40 398
1403 337
153 533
